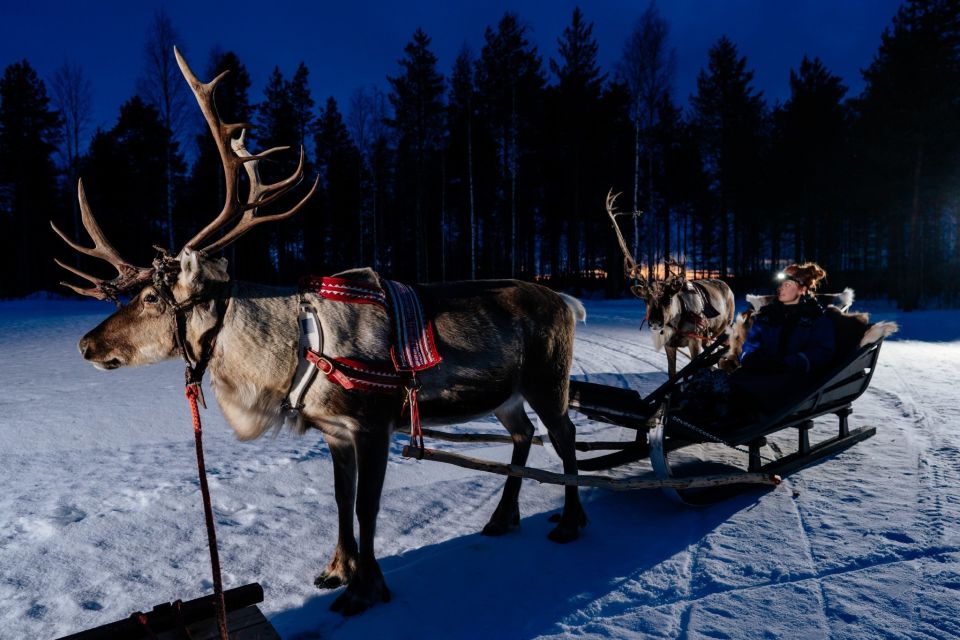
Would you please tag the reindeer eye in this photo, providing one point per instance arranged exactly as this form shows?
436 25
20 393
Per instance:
151 298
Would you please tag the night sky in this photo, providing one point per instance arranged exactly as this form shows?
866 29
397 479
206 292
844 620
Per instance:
355 44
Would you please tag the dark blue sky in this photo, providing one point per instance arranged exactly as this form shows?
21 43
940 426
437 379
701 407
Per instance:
354 44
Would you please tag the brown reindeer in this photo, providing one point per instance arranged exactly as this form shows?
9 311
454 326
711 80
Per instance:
503 342
680 312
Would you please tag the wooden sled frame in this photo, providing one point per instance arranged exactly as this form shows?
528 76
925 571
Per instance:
660 432
628 413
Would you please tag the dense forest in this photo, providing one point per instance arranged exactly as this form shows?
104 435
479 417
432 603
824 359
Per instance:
499 166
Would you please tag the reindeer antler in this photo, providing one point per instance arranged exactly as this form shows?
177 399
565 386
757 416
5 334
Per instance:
630 267
128 275
233 155
670 262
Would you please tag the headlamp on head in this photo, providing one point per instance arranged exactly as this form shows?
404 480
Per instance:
783 275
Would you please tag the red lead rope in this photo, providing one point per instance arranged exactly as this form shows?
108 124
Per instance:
193 393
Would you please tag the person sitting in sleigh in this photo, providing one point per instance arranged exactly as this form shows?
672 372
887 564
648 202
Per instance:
792 340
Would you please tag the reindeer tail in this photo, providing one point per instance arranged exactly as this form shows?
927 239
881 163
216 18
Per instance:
579 311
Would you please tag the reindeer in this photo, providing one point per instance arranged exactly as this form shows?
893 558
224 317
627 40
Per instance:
681 313
503 342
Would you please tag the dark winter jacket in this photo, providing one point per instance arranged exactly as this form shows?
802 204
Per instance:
797 338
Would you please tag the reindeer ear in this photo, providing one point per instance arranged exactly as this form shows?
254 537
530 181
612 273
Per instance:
189 266
196 269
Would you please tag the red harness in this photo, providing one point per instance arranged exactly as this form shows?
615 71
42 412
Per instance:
413 348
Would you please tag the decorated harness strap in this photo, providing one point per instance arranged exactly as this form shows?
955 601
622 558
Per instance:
344 290
413 347
353 374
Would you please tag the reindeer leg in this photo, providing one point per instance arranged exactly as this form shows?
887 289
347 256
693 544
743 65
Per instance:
694 346
506 517
367 586
343 565
671 359
562 437
551 407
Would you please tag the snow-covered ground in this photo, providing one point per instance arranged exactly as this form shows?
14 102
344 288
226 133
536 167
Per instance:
100 512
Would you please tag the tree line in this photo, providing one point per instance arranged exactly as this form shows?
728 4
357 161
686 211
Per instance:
500 167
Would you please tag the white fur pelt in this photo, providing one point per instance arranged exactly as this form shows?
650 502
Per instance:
843 300
878 331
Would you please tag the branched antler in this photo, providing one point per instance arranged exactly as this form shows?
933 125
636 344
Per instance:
630 267
128 275
233 155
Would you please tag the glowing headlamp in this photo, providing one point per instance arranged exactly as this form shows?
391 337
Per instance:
782 276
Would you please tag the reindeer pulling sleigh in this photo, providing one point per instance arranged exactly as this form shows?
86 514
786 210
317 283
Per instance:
699 315
265 349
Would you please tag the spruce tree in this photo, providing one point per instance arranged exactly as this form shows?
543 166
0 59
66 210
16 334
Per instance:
576 145
417 98
461 121
811 132
29 134
730 119
510 85
333 232
908 130
125 178
647 67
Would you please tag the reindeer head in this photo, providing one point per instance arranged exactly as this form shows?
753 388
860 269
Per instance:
142 331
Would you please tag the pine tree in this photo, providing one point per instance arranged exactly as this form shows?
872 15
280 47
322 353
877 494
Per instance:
72 95
302 103
333 233
125 179
576 145
647 67
810 159
29 134
368 127
161 85
730 117
461 119
510 85
909 112
417 99
271 253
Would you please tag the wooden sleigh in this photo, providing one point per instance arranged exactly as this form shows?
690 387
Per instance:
660 431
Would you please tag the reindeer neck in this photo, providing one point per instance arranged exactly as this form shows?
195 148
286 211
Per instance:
255 357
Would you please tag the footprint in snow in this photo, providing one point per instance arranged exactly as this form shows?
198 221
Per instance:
67 514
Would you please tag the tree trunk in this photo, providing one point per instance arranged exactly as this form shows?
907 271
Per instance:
473 216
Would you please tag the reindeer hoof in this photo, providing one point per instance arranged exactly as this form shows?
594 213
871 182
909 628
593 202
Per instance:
350 603
567 531
329 581
498 526
339 572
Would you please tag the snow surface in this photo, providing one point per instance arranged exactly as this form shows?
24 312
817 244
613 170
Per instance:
101 515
